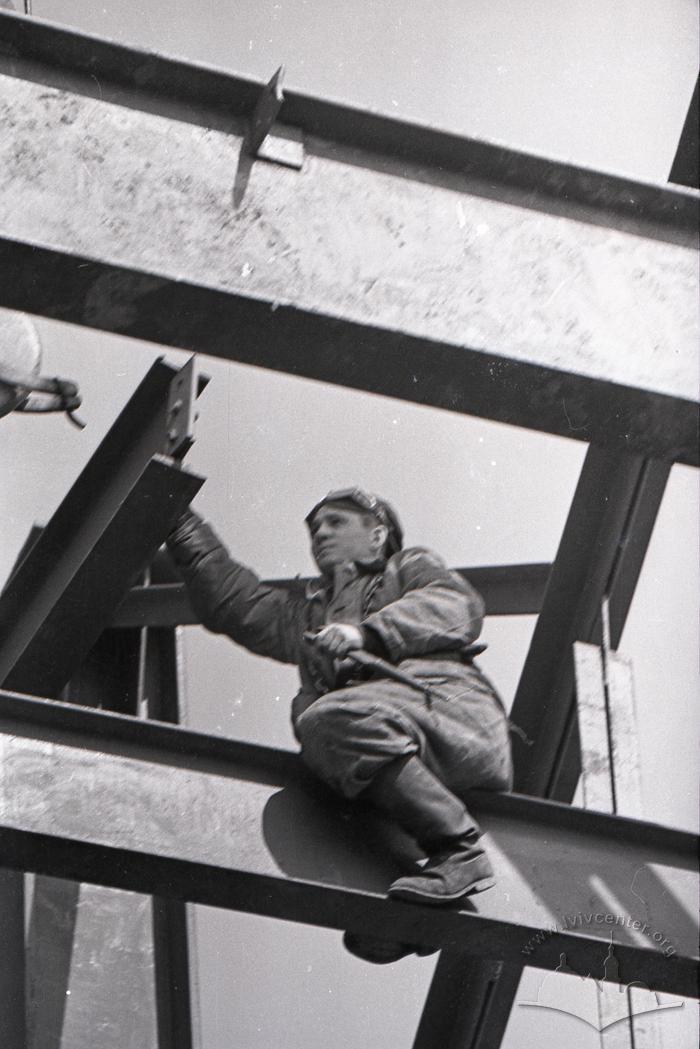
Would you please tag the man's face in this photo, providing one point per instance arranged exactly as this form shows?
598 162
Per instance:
339 535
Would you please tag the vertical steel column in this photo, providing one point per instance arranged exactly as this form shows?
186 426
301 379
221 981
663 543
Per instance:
625 553
52 614
129 671
468 1004
12 968
108 679
13 1032
684 170
611 783
601 552
162 699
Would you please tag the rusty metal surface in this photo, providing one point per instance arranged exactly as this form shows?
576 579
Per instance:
159 819
355 271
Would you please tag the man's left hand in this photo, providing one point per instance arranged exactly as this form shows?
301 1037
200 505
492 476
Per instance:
337 639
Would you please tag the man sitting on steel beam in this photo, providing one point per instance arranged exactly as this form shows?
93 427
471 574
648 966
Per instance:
392 707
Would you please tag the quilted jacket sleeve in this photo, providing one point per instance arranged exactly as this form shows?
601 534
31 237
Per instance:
230 598
434 609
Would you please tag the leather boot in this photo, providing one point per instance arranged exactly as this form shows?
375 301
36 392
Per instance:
457 865
382 952
459 868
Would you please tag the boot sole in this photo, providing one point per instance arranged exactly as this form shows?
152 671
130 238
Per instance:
382 952
416 896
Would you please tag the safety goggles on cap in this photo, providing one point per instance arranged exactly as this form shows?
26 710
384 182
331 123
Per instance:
365 502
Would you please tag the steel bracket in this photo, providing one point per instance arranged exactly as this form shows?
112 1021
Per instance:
268 140
185 387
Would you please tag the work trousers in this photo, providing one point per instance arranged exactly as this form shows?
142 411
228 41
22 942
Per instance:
461 735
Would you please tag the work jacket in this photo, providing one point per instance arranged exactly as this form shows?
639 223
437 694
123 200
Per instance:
409 607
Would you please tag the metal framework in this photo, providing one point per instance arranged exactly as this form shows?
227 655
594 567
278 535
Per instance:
507 590
52 625
611 783
600 556
399 307
452 335
180 849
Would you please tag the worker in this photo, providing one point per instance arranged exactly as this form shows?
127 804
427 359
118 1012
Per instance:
411 747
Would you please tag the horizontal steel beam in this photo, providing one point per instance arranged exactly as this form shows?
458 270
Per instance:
506 589
157 808
68 59
434 286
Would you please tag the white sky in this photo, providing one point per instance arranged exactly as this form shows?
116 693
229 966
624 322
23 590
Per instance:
604 85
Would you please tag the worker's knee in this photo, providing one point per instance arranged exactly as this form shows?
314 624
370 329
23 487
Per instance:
322 723
346 740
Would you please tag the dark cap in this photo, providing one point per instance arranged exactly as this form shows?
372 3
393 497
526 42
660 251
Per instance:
366 503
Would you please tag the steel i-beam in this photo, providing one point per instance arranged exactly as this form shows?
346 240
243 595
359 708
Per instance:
13 1032
66 589
684 170
159 809
601 553
136 987
468 1003
71 578
172 921
451 272
506 589
88 951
